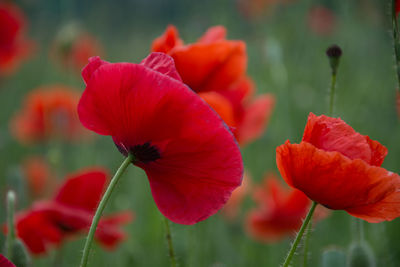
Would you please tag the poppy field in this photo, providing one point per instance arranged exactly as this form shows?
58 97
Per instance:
208 133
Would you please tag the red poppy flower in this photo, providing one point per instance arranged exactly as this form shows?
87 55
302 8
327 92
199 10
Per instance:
13 45
397 7
191 158
215 68
211 64
280 211
321 20
49 223
339 168
38 175
4 262
73 47
48 112
246 115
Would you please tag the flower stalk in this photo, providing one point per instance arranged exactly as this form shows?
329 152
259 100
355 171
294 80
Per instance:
168 236
10 224
300 235
129 159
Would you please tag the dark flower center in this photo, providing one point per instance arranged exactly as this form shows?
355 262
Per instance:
145 153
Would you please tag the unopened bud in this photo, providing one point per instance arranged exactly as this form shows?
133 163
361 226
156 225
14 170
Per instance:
361 255
20 256
333 257
334 53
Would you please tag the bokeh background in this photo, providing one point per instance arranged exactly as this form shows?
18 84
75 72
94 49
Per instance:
286 58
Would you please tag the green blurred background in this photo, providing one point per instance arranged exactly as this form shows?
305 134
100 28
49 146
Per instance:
285 58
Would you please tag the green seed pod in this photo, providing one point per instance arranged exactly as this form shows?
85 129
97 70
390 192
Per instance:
333 257
361 255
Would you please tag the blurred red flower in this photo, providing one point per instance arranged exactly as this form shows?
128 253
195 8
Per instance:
321 20
231 209
38 175
339 168
4 262
397 7
255 9
216 69
48 112
73 47
280 211
70 212
190 157
13 46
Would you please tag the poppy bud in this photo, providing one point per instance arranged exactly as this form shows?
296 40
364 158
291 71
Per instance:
361 255
334 53
20 256
333 257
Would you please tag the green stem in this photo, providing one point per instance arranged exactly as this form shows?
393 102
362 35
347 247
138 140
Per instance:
332 94
306 239
299 235
168 236
396 41
10 223
101 207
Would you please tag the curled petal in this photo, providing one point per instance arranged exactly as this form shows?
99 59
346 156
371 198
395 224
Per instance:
166 42
91 67
213 34
162 63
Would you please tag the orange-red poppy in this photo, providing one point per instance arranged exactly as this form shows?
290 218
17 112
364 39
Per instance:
14 47
48 112
211 64
340 169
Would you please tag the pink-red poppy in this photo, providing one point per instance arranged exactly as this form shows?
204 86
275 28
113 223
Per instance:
48 223
191 158
340 169
280 211
13 44
48 113
215 68
4 262
321 20
38 175
73 47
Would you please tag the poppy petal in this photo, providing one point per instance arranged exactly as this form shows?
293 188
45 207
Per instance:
83 190
333 134
92 66
4 262
213 34
255 118
162 63
338 182
212 66
166 42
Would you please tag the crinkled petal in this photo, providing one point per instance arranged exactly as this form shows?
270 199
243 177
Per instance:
333 134
162 63
83 190
335 181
